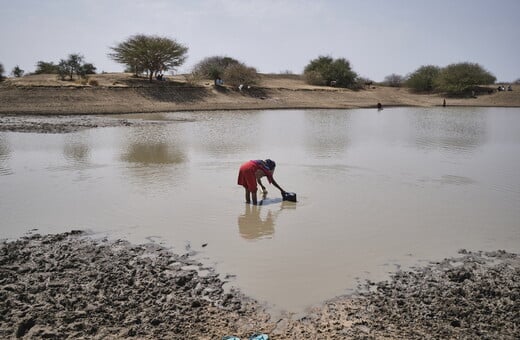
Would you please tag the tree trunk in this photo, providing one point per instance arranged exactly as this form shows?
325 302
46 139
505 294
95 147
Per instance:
151 75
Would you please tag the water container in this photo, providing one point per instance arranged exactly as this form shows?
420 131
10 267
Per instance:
289 196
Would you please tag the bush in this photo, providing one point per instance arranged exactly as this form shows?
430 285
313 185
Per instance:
93 82
43 67
2 72
423 79
17 72
461 78
314 78
394 80
326 71
240 74
213 67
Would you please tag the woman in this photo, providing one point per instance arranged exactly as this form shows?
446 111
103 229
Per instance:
250 174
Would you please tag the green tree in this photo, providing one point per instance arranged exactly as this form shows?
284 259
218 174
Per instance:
213 67
461 78
325 70
73 65
1 72
423 79
43 67
151 53
17 71
87 68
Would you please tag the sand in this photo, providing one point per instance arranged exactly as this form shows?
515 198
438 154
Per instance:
120 93
72 286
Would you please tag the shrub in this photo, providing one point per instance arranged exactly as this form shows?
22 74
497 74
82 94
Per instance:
461 78
213 67
43 67
240 74
17 72
1 72
93 82
325 70
423 79
394 80
314 78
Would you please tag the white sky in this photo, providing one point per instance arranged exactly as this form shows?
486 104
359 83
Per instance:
378 37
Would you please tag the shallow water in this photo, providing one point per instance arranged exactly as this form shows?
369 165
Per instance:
377 190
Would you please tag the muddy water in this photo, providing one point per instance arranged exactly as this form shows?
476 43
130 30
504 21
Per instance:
377 190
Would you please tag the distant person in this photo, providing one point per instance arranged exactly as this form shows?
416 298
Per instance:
379 106
444 103
250 175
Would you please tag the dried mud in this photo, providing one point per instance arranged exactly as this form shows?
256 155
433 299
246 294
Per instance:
72 286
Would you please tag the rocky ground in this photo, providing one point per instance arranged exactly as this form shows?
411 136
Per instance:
70 286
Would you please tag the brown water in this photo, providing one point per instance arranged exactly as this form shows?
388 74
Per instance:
377 190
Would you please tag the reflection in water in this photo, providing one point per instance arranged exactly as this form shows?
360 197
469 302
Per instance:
4 156
326 132
251 225
153 156
150 154
222 133
75 149
454 130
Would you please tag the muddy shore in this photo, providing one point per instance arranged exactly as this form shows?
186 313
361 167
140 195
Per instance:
73 286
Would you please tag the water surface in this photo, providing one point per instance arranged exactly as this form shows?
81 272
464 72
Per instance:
377 190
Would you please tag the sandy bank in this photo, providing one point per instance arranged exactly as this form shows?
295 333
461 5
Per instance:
119 93
70 286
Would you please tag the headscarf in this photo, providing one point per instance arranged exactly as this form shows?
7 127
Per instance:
268 164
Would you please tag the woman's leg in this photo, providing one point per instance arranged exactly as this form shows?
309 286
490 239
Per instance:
248 198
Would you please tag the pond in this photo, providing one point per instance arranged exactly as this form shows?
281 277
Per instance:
377 191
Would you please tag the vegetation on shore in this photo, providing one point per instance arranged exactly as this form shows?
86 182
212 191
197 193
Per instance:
155 55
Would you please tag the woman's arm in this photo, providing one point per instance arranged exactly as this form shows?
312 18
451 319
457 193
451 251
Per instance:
276 185
261 185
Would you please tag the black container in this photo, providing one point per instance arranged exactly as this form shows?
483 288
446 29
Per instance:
289 196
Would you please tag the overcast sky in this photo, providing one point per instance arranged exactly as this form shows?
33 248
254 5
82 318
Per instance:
377 37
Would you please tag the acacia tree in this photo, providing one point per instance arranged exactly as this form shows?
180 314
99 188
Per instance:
151 53
73 65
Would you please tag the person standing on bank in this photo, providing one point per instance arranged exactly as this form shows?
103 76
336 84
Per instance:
250 175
